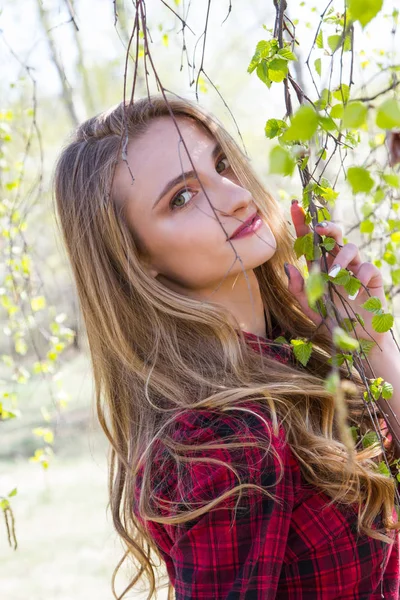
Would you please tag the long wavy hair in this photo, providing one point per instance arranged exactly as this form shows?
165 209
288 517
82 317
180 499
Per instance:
156 353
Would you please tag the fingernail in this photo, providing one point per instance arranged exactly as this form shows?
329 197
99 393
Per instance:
354 296
322 224
295 201
285 266
334 270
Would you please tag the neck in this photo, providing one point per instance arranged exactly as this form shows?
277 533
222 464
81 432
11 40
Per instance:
242 297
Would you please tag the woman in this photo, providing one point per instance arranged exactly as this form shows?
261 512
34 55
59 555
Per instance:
227 461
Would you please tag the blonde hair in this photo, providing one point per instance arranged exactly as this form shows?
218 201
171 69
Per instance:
156 353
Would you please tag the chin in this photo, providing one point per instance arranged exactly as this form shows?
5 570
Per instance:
257 260
261 253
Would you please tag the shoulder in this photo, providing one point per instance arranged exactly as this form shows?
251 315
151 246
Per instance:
210 452
248 422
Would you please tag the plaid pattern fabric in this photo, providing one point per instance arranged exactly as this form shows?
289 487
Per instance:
258 548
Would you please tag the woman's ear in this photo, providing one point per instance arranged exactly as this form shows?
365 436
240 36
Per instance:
147 266
152 272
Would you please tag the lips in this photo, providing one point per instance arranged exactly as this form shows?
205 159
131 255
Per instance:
243 225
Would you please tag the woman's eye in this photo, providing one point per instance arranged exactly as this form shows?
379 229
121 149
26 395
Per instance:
221 166
181 195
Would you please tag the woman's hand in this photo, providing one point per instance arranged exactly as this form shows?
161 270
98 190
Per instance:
340 257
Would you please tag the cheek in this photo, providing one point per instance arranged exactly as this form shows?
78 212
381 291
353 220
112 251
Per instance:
191 249
191 233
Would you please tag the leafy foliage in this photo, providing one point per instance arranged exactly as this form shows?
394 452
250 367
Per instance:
338 119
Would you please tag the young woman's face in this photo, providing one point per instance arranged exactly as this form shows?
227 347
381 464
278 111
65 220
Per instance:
179 237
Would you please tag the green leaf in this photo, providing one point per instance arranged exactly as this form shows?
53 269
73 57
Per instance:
395 276
338 359
304 162
348 324
354 433
326 98
317 65
277 69
314 286
388 115
12 493
373 304
352 286
302 350
4 504
366 346
360 180
370 439
320 39
392 180
375 391
299 246
342 93
360 319
367 226
328 243
327 123
342 278
395 237
334 41
280 340
387 390
379 195
281 162
303 125
337 111
382 468
287 53
343 340
275 127
263 49
389 257
382 323
305 245
262 73
355 115
347 43
364 10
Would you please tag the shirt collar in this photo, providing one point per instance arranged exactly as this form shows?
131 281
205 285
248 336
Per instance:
281 352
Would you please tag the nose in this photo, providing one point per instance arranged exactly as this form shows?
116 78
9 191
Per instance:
232 199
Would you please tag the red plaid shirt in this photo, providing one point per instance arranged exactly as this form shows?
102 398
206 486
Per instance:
294 549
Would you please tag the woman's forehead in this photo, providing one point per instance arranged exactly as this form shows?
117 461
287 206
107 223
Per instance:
162 137
159 154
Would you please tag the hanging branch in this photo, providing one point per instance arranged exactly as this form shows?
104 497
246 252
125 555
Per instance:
305 176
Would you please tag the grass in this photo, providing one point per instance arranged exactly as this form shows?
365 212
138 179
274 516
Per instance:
67 546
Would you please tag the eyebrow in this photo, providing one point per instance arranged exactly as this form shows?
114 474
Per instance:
183 176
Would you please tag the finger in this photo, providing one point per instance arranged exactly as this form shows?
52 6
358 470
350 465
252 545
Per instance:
334 231
331 229
348 256
370 276
368 273
299 219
